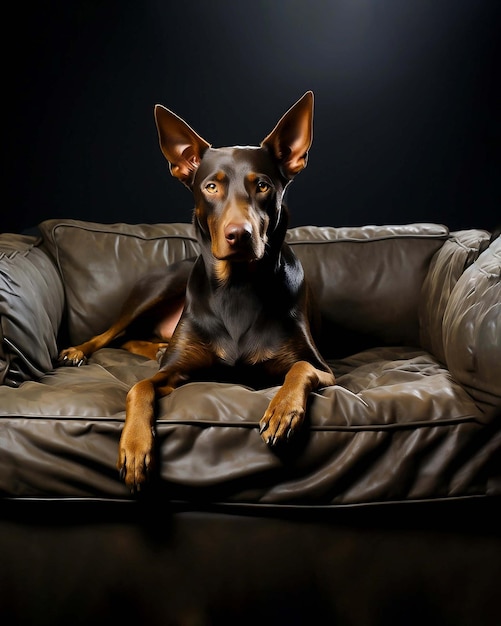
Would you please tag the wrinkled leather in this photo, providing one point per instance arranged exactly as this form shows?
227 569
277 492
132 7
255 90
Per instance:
472 326
99 264
31 308
402 423
446 267
395 427
367 280
353 272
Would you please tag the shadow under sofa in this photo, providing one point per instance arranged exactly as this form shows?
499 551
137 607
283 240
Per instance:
385 508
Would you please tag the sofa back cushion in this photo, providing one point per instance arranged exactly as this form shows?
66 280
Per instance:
366 280
100 263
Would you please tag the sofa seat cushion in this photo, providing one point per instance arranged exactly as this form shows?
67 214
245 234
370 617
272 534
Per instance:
396 427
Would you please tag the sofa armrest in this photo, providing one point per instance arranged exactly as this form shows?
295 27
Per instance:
31 309
446 268
472 328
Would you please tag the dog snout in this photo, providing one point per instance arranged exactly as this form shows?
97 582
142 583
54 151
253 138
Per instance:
238 234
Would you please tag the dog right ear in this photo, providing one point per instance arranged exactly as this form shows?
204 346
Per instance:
291 138
180 144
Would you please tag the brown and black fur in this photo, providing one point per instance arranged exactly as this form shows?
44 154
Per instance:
240 310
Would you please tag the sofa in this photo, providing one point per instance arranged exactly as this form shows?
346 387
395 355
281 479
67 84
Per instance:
383 510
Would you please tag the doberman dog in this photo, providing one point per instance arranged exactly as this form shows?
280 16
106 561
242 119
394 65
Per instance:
240 310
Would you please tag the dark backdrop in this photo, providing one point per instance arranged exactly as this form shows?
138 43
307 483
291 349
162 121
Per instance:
406 119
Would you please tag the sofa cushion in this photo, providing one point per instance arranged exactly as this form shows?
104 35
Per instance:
100 263
472 327
367 281
446 267
31 307
396 427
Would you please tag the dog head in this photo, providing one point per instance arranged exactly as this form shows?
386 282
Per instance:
238 191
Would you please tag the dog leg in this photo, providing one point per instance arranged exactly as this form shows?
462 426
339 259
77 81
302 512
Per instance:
162 292
136 448
285 413
149 349
135 451
77 355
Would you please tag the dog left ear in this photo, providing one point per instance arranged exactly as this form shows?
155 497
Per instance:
291 138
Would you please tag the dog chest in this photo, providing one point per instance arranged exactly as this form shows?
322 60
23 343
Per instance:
243 329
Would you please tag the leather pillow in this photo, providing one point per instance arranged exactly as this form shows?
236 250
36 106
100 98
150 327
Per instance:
367 281
472 327
446 267
100 263
31 307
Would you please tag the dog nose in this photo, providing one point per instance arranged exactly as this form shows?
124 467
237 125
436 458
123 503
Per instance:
237 234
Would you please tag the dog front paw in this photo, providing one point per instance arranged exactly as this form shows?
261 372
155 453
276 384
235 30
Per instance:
281 420
135 458
73 357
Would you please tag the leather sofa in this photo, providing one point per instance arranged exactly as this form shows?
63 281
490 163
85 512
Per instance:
384 510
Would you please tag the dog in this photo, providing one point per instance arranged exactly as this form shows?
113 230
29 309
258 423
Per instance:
240 310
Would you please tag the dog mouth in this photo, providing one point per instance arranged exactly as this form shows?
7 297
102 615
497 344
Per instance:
237 256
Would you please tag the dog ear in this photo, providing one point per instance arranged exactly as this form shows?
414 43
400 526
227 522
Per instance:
180 144
291 138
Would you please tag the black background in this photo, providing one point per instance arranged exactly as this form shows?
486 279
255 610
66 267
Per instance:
407 114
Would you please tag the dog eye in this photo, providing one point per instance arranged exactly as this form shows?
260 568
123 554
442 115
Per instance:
262 187
211 188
